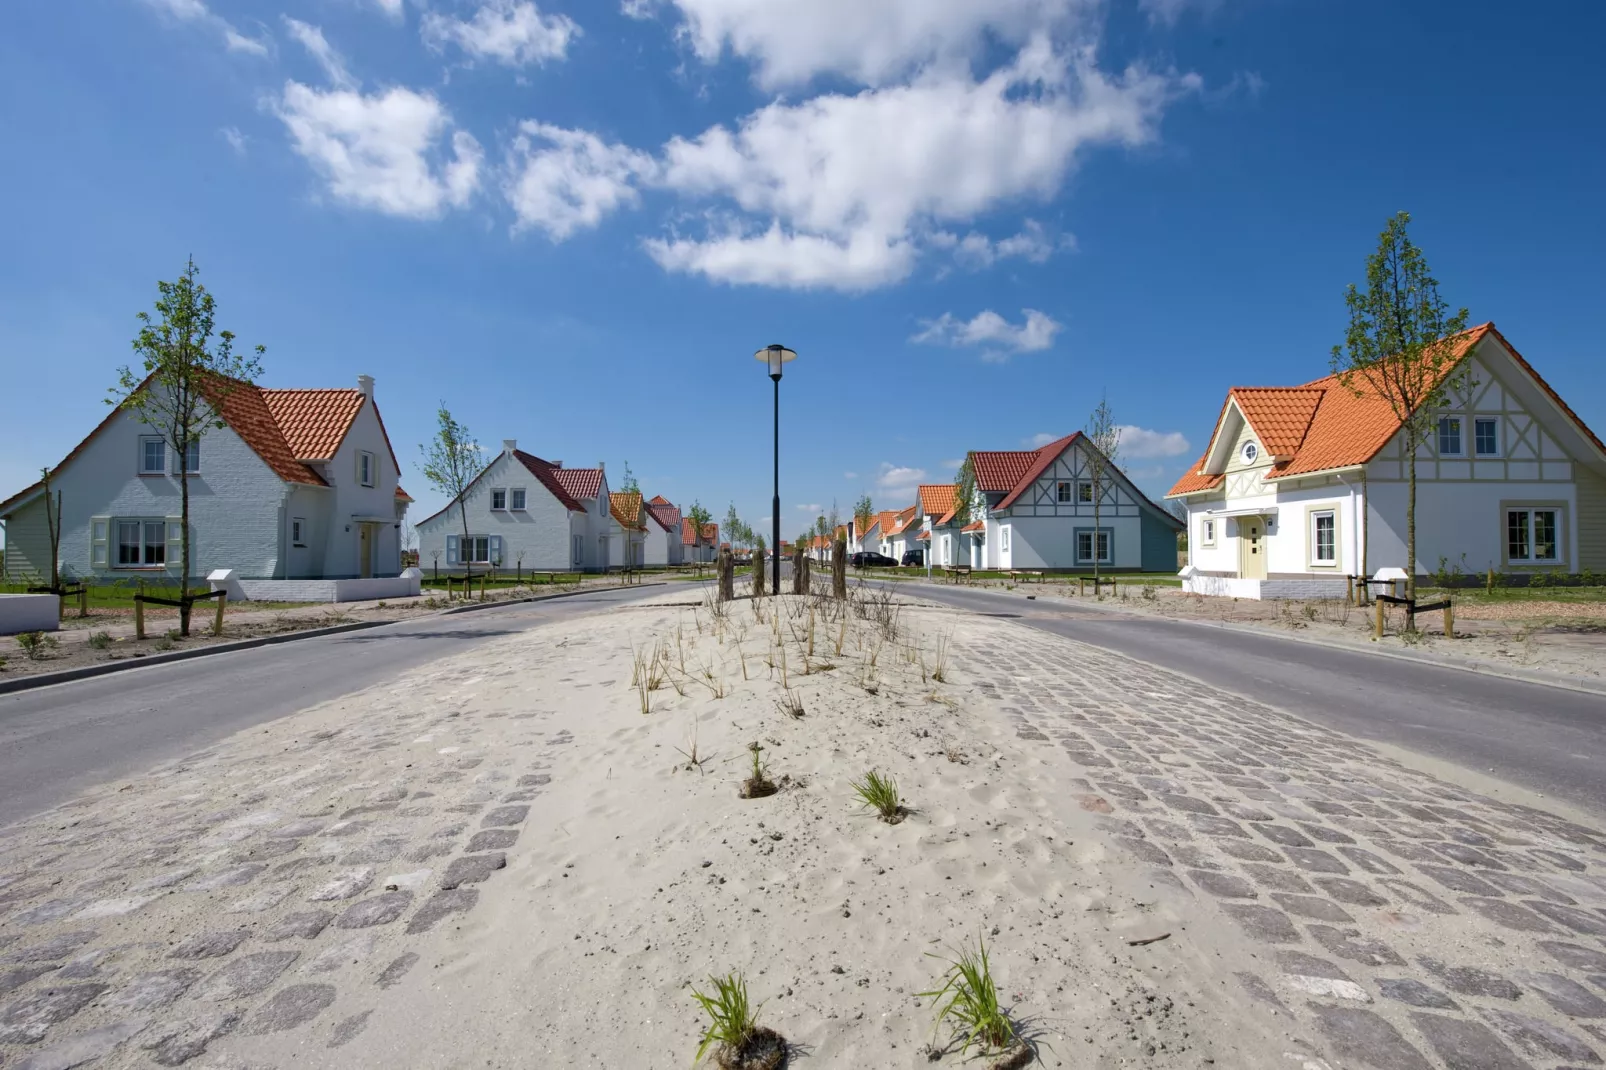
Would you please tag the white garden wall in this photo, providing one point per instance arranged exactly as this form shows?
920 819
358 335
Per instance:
29 613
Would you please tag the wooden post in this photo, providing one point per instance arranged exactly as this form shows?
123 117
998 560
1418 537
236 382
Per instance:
482 586
839 569
139 614
1081 586
83 600
1489 581
726 569
1349 589
217 625
1449 620
759 557
799 580
1377 619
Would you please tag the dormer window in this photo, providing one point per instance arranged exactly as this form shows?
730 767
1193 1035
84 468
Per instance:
1250 452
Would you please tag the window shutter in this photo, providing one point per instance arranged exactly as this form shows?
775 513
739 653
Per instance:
496 550
99 532
175 542
451 549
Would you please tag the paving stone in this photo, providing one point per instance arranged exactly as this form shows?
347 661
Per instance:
1560 860
1144 850
246 976
343 829
1225 885
1350 944
1297 962
493 840
1196 857
398 968
344 886
371 808
1539 1038
1579 958
441 904
210 945
1244 812
228 878
27 1019
1564 994
505 815
1260 991
1324 833
342 953
1217 827
1364 1039
57 947
1470 980
1468 856
305 924
50 910
472 869
290 1007
1466 1045
380 910
346 1031
11 980
1315 861
1311 906
155 989
1352 892
1517 884
83 1048
535 780
1263 923
1282 880
1282 834
1248 851
298 829
1459 881
383 849
1416 896
264 899
1415 993
175 1043
527 796
1577 920
1510 915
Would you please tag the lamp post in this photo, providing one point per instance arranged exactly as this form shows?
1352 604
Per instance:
775 357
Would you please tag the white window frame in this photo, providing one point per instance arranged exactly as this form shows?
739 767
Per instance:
1530 513
192 457
1459 423
471 556
1085 494
298 531
498 493
143 546
579 550
365 468
1003 538
145 466
1064 493
1250 453
1314 543
1207 532
517 499
1104 535
1495 422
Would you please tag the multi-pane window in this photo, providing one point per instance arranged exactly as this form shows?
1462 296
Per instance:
192 458
1063 492
1449 436
152 456
365 468
517 494
1486 436
1003 538
1084 545
1531 534
298 532
1207 532
477 549
1084 493
141 543
499 498
1324 538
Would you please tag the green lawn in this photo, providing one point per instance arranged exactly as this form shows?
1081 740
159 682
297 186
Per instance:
1507 595
121 596
530 579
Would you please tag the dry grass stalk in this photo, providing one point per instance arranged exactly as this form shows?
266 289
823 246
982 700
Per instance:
939 667
791 704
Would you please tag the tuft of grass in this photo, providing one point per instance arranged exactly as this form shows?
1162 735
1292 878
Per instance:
165 643
880 793
35 645
939 666
693 759
791 704
969 999
99 640
732 1019
758 785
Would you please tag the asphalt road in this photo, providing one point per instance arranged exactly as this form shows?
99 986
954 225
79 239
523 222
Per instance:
59 740
1547 739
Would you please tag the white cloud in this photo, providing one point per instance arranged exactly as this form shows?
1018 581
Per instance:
989 329
1139 442
235 139
514 33
1042 438
814 508
323 53
393 8
561 180
843 191
196 11
873 43
976 251
850 475
899 482
637 9
1167 12
384 151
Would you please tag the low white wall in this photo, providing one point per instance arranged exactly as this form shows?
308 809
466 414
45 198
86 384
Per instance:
1294 588
404 586
29 613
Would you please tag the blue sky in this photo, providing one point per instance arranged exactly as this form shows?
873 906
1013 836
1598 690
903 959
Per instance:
575 221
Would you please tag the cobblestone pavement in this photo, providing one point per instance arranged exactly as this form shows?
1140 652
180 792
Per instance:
1407 922
251 889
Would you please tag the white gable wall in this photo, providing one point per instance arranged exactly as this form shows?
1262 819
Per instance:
353 500
1043 530
540 532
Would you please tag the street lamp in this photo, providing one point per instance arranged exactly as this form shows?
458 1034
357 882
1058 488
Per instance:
775 357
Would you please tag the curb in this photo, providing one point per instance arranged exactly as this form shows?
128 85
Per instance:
85 672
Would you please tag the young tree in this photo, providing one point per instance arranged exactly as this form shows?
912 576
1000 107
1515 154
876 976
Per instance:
964 491
734 529
450 459
1105 439
628 484
862 512
52 529
183 383
700 519
1400 346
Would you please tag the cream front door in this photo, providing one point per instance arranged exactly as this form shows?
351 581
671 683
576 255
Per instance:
1252 548
365 550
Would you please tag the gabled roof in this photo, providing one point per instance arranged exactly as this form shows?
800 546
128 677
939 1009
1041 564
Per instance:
873 523
902 519
402 495
1344 430
711 532
975 525
936 499
688 532
1045 457
625 505
546 473
997 471
665 514
580 483
886 520
314 422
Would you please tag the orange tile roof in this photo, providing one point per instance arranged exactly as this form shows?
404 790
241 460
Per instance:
580 483
664 512
1045 456
997 471
314 422
902 519
625 505
974 525
402 494
886 520
710 532
936 499
688 532
546 473
1280 415
246 410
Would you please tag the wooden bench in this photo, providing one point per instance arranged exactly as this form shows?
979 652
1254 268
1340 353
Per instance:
957 572
1018 575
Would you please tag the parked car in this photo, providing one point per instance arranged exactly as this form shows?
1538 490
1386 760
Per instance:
871 559
915 558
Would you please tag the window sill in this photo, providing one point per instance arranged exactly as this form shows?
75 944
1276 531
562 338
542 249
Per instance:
153 475
138 568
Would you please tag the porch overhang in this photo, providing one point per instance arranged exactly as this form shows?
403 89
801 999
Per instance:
1264 510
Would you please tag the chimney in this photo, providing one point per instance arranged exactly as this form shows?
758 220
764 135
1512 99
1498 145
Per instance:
365 386
509 445
602 466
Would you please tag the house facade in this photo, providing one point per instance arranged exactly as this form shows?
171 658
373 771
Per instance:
1035 509
523 514
630 519
1303 486
665 545
939 537
297 484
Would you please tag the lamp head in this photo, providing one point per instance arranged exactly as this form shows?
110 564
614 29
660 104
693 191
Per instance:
775 356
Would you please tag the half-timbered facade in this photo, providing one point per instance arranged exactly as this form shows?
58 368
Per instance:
1304 486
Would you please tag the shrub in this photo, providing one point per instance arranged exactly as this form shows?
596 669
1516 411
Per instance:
880 794
758 784
35 645
733 1030
1539 579
165 643
969 998
99 640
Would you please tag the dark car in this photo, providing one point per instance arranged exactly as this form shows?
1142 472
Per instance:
870 559
915 558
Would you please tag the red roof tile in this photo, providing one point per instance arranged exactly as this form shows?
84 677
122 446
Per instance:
546 472
402 494
1042 458
936 499
688 532
710 532
997 471
1280 415
666 514
902 519
625 505
581 483
974 525
314 422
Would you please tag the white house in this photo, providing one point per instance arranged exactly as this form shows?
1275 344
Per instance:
630 526
524 514
664 544
904 533
939 536
297 484
1302 486
1034 509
